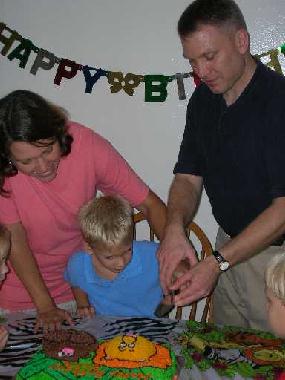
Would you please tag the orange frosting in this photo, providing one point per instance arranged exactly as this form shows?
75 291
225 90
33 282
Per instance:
130 351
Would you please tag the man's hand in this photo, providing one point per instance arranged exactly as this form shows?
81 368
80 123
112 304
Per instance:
197 283
52 319
172 250
85 311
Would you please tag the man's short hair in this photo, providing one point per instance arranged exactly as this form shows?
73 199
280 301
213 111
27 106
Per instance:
107 220
212 12
275 276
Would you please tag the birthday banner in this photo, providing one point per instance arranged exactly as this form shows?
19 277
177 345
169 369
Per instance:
16 47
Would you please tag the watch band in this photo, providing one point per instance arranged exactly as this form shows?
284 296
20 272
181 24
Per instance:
223 263
218 256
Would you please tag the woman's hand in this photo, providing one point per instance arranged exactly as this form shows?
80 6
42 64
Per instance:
85 311
3 337
52 319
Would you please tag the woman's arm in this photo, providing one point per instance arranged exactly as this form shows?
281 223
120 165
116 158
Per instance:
26 268
3 337
155 212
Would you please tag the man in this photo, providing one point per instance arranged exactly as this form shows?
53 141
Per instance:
233 145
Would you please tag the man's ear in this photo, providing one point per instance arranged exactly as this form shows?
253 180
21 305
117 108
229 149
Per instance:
242 40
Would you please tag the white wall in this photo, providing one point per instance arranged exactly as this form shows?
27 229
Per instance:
128 36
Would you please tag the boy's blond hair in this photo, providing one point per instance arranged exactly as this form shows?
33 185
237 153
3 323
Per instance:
107 220
275 276
5 242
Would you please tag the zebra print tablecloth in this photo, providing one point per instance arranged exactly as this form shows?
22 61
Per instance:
23 342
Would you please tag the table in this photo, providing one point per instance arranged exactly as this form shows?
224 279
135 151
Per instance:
23 343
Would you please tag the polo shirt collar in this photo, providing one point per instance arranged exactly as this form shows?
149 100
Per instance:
133 269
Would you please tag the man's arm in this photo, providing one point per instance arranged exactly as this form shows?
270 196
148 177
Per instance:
259 234
184 197
26 268
200 279
155 212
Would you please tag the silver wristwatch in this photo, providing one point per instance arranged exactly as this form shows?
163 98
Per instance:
223 263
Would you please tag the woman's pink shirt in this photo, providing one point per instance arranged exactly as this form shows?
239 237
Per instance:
48 211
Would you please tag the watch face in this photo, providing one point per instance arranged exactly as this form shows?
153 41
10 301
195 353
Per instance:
224 265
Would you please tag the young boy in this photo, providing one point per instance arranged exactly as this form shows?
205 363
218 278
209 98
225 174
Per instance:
4 251
275 292
115 275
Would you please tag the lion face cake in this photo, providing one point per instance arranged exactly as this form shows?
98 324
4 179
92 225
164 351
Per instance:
126 357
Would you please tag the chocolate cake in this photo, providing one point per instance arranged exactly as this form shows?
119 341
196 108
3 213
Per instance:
69 344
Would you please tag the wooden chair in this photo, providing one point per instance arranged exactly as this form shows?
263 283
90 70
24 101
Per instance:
197 235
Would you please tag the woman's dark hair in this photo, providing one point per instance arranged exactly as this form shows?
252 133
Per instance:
213 12
28 117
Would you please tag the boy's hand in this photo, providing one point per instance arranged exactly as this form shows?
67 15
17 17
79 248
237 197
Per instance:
85 311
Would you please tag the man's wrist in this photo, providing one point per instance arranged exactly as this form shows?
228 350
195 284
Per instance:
214 264
174 227
222 262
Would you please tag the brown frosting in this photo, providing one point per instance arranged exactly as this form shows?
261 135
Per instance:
68 344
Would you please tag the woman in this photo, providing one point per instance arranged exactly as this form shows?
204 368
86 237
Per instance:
50 167
4 252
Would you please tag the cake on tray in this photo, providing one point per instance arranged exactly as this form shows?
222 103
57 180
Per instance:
232 351
71 354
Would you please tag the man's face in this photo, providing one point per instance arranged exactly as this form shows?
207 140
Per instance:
275 313
216 55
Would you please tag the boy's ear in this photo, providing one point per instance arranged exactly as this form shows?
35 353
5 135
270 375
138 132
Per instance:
88 248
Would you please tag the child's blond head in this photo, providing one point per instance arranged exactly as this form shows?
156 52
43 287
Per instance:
275 276
107 220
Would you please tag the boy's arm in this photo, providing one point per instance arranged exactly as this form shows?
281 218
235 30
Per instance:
81 297
84 309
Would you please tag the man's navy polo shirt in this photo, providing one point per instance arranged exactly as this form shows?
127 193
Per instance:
238 150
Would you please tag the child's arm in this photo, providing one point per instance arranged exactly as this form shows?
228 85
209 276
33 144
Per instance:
83 306
3 337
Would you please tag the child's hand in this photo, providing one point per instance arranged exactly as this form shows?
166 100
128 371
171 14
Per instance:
85 311
3 337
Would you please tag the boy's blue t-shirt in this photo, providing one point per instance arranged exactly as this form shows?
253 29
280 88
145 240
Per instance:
135 291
